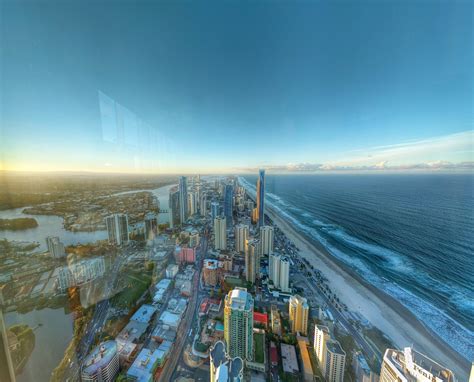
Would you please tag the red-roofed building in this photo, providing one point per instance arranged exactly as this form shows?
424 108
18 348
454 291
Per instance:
204 308
260 318
273 354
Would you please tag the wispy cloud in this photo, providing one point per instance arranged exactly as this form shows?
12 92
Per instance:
453 152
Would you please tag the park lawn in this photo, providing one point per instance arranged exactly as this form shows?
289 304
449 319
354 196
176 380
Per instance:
259 343
136 286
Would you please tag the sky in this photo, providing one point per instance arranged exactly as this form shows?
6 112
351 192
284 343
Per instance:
233 86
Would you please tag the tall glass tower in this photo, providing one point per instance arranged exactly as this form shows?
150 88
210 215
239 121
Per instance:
238 323
183 199
261 197
228 204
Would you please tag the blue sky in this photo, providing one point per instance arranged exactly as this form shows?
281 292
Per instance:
225 86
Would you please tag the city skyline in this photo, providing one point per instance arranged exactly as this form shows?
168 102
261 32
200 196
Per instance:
314 84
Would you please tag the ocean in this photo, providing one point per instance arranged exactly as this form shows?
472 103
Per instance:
411 236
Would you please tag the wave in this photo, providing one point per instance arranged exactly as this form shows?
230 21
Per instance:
451 331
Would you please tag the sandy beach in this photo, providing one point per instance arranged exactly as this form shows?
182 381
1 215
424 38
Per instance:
383 311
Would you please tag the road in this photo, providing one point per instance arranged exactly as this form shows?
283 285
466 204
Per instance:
359 339
98 320
191 313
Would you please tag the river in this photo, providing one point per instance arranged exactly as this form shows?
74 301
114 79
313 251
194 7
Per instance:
53 337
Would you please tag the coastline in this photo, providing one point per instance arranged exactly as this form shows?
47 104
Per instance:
382 310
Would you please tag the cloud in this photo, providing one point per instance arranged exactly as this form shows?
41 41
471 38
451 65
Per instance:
452 152
382 166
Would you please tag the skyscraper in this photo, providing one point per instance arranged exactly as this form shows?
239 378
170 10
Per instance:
298 311
55 247
410 366
321 337
266 239
220 233
252 260
214 210
241 232
117 229
183 199
192 203
228 203
335 362
279 271
261 197
284 274
203 205
174 210
238 324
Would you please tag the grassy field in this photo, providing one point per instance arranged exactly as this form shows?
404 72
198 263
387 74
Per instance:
259 343
135 286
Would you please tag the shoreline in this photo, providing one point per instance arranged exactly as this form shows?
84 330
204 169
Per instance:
382 310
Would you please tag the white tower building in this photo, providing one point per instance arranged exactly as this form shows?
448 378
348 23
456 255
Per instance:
266 239
241 236
220 233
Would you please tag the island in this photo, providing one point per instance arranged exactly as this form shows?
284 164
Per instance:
18 224
22 342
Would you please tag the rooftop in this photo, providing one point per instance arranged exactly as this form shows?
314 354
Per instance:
163 284
335 347
170 319
143 366
240 299
290 362
210 263
164 333
402 361
144 313
303 345
131 332
261 318
100 357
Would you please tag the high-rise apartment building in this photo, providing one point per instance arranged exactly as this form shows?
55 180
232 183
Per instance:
55 247
241 233
214 210
261 197
222 367
102 364
252 260
299 312
192 203
266 239
238 323
321 337
220 233
411 366
203 204
174 210
117 229
335 360
279 271
228 203
183 199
